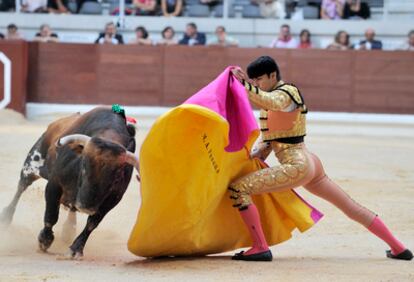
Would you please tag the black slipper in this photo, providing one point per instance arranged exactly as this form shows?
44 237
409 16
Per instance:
406 255
264 256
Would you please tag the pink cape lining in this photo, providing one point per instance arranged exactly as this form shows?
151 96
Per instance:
227 97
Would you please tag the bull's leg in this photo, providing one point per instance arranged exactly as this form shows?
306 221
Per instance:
76 250
31 171
52 195
69 227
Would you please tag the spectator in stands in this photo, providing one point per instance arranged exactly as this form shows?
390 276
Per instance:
1 36
46 35
271 8
305 39
332 9
369 43
7 5
167 35
210 3
34 6
341 41
409 45
171 8
13 33
192 36
285 39
145 7
290 8
356 9
109 36
222 39
141 37
58 6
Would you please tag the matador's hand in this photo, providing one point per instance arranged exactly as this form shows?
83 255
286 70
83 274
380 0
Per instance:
239 74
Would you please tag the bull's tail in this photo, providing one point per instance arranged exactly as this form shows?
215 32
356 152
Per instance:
30 172
7 214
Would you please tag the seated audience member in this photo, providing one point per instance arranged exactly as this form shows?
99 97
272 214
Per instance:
7 5
210 3
1 36
192 36
109 36
341 41
409 45
290 8
369 43
305 39
46 35
141 37
58 6
356 9
145 7
285 39
13 33
271 8
332 9
34 6
167 35
222 39
171 8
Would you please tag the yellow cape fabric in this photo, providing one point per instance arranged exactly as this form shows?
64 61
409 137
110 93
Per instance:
185 207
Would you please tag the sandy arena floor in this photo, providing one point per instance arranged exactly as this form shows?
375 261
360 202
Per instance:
377 171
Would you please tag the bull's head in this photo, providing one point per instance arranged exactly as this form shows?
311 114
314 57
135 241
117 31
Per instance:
102 167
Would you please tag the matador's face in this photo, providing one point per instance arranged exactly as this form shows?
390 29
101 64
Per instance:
266 82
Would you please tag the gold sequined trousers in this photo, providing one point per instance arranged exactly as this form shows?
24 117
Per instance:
294 170
298 167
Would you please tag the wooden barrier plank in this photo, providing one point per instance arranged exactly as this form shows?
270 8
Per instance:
384 81
17 52
130 75
64 73
188 69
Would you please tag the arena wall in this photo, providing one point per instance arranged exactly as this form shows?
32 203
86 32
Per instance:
17 52
339 81
334 81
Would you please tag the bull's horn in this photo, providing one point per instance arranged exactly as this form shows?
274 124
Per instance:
80 138
132 159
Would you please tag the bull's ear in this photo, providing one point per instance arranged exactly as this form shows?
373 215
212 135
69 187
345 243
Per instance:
77 148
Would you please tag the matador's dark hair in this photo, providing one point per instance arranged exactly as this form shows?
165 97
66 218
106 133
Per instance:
263 65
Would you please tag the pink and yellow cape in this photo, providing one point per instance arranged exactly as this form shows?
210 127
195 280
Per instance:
188 159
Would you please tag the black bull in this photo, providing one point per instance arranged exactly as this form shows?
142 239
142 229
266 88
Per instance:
88 164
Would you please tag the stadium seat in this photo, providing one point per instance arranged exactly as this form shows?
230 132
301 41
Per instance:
91 8
310 12
218 11
72 6
251 11
375 3
198 11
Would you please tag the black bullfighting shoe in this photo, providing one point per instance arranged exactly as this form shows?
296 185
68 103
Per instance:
405 255
263 256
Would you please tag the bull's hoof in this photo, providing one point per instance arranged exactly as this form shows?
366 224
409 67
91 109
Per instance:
45 239
71 255
76 254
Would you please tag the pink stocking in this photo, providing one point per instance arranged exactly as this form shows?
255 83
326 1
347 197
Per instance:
251 218
380 230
